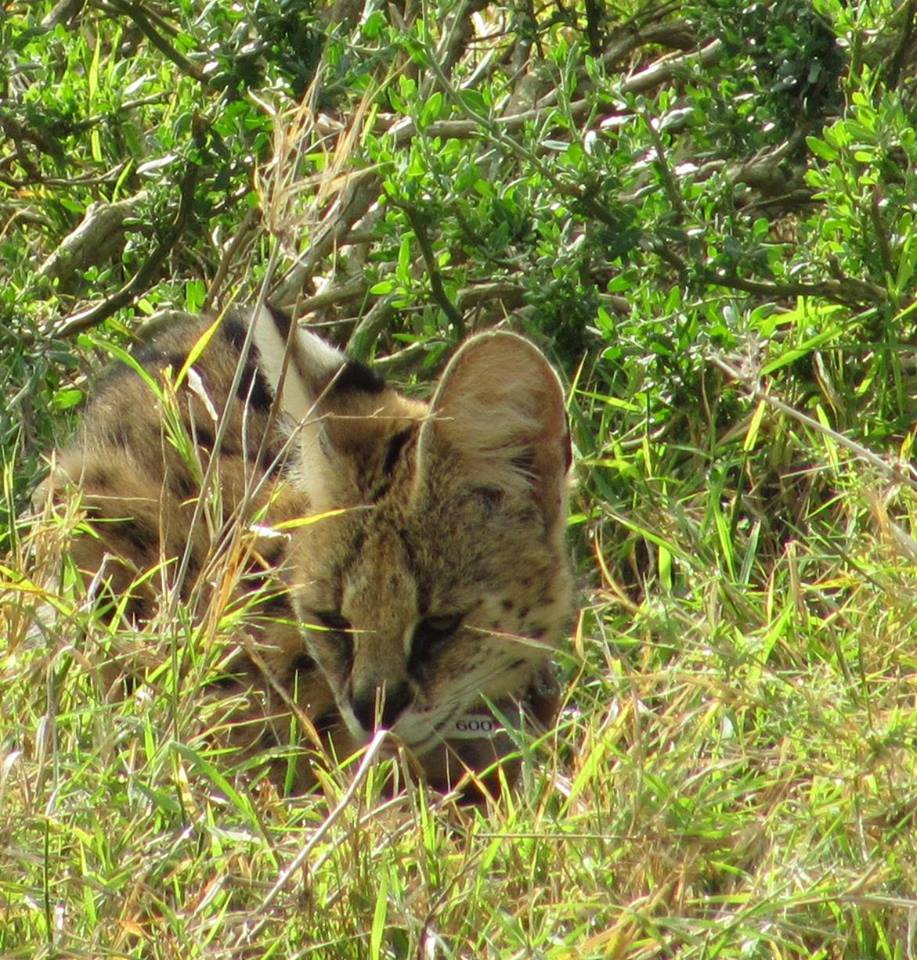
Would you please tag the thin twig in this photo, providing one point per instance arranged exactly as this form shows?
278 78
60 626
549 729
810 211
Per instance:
246 227
351 289
140 17
875 217
35 177
847 290
402 361
419 226
897 471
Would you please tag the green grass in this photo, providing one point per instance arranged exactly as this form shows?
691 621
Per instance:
720 263
732 775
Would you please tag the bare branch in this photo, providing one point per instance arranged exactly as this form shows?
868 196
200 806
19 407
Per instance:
845 290
666 69
62 12
898 471
98 237
359 195
141 280
137 13
367 331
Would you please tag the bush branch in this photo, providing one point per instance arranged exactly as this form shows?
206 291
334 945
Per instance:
136 12
142 279
897 471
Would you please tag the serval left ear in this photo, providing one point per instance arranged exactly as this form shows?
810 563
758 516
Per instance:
500 407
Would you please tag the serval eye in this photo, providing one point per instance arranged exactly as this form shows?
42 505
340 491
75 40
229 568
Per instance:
336 635
429 635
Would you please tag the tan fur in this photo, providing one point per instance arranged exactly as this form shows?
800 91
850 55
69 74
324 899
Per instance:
435 580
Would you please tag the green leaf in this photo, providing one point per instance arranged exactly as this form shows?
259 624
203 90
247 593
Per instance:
195 295
431 109
404 260
822 149
803 350
379 915
67 398
474 102
754 425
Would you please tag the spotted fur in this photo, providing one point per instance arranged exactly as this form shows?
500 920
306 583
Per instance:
416 570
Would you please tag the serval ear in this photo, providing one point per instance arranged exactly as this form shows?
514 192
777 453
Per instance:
298 362
343 414
499 408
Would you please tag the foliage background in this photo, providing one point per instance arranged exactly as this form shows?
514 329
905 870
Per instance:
705 213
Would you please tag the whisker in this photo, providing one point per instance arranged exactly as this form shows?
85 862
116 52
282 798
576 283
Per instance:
530 642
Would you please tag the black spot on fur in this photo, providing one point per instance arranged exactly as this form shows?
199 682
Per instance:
150 354
282 321
357 377
327 721
224 682
128 684
204 436
269 461
303 663
174 360
359 539
193 570
507 605
138 534
183 485
276 606
95 476
253 389
152 357
338 633
395 446
271 552
489 496
233 331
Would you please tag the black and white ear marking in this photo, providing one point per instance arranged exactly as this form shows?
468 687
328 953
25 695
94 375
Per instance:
311 366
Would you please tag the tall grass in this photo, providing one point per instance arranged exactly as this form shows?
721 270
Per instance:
709 223
732 774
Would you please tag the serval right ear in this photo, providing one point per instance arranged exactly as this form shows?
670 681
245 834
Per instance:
311 363
342 412
500 408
